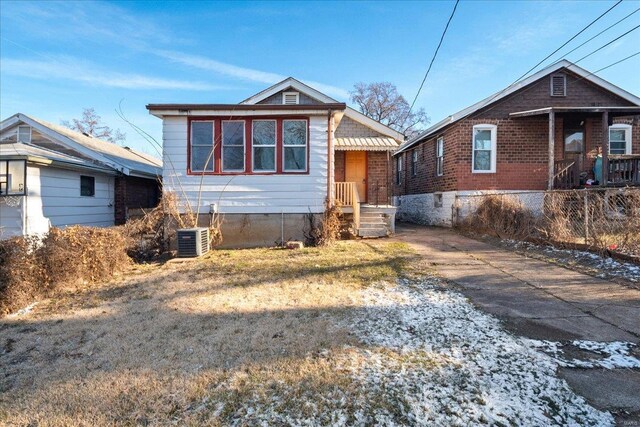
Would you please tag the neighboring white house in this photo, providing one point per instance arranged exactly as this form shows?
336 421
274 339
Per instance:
53 176
269 161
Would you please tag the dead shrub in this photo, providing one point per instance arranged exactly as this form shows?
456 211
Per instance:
502 216
32 267
327 230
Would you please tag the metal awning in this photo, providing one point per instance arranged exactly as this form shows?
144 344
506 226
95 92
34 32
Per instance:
366 144
547 110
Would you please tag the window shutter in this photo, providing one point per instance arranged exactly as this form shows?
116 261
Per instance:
558 85
290 98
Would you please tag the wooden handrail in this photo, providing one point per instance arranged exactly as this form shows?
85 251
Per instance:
346 193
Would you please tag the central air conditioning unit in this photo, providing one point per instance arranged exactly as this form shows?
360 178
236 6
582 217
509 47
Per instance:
193 242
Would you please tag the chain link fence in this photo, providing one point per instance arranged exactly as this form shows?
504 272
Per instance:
601 218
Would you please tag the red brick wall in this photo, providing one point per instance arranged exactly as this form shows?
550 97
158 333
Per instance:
134 193
522 143
339 166
378 176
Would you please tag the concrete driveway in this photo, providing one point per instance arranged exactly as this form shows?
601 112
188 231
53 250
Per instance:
543 301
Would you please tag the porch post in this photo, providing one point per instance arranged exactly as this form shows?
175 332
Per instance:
552 137
605 147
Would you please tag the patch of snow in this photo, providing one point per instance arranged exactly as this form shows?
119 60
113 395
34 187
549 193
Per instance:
23 311
608 266
617 353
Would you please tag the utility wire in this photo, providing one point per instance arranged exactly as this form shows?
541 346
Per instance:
607 44
434 56
553 53
601 32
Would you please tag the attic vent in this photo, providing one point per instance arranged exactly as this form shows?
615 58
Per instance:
290 98
558 85
24 134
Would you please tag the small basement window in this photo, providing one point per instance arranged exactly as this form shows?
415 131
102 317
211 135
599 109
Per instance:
290 98
87 186
13 177
24 134
437 200
558 85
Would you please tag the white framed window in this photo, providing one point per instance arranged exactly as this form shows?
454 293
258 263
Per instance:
13 177
620 139
558 85
399 169
201 159
233 145
290 98
440 156
414 162
264 145
484 143
24 134
295 145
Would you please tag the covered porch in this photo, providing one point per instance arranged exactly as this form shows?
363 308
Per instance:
590 146
362 183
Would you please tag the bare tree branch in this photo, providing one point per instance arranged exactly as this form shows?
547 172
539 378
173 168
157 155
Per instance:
91 124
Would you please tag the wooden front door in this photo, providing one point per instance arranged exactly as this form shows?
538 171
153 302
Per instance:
355 170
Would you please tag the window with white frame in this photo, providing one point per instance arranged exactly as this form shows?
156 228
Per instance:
24 134
399 169
202 146
233 154
294 141
440 156
13 176
264 145
484 149
414 162
620 139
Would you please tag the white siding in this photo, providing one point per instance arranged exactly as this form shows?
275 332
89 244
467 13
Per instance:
247 193
10 220
60 201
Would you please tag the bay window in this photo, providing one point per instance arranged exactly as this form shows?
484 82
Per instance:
264 145
483 158
202 146
233 146
620 139
294 141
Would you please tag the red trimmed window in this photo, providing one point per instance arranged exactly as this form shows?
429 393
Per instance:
248 145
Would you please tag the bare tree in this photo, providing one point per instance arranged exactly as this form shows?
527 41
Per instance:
382 102
91 124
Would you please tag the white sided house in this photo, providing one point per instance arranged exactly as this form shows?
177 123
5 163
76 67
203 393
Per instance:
269 161
51 176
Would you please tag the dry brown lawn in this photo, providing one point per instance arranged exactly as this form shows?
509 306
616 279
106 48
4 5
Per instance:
191 342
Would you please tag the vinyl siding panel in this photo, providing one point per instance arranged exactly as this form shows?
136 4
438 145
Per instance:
54 200
247 193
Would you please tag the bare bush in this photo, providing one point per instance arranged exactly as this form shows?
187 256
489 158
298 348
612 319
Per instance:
502 216
327 230
32 267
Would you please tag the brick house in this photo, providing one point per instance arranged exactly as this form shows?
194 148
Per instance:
269 161
546 132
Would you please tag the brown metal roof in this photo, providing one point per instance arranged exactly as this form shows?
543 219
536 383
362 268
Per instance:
366 144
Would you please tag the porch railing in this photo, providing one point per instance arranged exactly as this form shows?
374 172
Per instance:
624 169
346 193
565 174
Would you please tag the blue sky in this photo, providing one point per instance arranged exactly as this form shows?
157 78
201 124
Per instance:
56 58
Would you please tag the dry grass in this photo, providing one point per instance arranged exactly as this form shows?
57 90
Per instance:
190 342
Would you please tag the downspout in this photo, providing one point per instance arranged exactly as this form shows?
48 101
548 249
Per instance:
329 160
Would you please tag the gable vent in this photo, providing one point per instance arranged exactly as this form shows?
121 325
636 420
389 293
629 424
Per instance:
290 98
558 85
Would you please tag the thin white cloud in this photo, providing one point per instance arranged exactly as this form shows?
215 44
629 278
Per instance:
204 63
69 69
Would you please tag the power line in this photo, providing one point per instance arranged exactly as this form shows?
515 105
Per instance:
601 32
434 56
608 43
553 53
